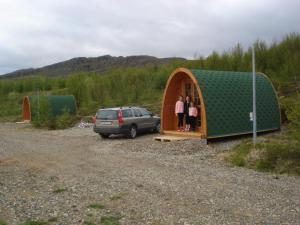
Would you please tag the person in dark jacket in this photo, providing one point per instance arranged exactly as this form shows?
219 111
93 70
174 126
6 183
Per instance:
186 113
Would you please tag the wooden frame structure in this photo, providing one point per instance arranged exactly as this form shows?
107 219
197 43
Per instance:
176 86
26 109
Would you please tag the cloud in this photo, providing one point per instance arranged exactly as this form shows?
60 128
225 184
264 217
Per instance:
36 33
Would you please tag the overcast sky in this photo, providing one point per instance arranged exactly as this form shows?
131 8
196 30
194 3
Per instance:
35 33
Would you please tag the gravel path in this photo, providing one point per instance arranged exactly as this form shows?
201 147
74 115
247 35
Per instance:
56 175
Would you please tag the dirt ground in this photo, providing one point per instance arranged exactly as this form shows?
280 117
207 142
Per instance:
55 176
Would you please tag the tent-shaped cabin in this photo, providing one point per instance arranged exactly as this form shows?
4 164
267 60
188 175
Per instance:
57 105
223 100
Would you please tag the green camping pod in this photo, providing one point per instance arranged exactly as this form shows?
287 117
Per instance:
223 100
57 105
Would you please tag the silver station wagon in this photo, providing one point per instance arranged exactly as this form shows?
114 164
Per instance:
125 120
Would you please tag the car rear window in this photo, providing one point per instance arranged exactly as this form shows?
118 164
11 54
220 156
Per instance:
107 115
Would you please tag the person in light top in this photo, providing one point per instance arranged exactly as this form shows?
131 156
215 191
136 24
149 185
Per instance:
179 112
193 112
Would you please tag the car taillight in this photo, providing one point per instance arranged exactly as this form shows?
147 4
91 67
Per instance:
120 117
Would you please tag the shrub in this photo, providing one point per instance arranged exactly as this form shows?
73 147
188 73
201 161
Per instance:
65 120
110 220
240 152
293 114
2 222
41 114
279 154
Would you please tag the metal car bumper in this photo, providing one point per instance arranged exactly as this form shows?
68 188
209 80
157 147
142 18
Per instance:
112 130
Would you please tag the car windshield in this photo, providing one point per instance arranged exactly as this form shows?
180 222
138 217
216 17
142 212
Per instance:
107 115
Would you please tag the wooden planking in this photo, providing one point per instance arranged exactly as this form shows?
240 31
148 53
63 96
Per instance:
183 134
169 138
24 121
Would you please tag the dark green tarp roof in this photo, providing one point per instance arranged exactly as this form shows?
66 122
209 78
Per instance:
228 102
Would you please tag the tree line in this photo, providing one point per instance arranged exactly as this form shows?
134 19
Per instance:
144 85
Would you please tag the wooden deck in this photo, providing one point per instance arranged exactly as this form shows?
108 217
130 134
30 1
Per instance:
170 136
183 134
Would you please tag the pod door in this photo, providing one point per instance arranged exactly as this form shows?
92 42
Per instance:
180 83
190 89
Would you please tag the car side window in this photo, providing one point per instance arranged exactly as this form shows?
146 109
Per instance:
145 112
126 113
137 113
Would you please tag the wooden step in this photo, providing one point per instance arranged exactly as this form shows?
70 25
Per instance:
183 134
170 138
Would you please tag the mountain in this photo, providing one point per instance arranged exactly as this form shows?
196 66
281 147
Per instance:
92 64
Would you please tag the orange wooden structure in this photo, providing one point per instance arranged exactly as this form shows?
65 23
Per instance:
26 108
182 82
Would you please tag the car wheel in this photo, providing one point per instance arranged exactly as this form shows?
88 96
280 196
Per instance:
157 128
132 132
104 135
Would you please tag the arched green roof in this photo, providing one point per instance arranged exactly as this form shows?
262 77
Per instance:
228 102
58 104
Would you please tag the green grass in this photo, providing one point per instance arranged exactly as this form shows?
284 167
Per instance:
110 220
3 222
35 222
60 190
52 219
238 158
118 196
277 154
96 206
88 223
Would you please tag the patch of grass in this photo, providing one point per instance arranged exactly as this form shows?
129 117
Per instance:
110 220
240 152
3 222
157 222
59 190
88 223
96 206
52 219
35 222
118 196
278 154
280 158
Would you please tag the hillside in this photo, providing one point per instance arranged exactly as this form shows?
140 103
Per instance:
99 64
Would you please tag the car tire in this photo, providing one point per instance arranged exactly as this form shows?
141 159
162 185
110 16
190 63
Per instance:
104 135
132 133
156 129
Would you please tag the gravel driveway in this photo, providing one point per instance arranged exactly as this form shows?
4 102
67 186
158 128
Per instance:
75 177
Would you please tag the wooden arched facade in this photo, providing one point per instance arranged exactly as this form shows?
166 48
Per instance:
26 109
223 100
182 82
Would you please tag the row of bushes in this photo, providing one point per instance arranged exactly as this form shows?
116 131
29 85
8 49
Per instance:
42 115
144 86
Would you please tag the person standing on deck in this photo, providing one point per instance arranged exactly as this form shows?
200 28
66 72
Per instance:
193 112
179 112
